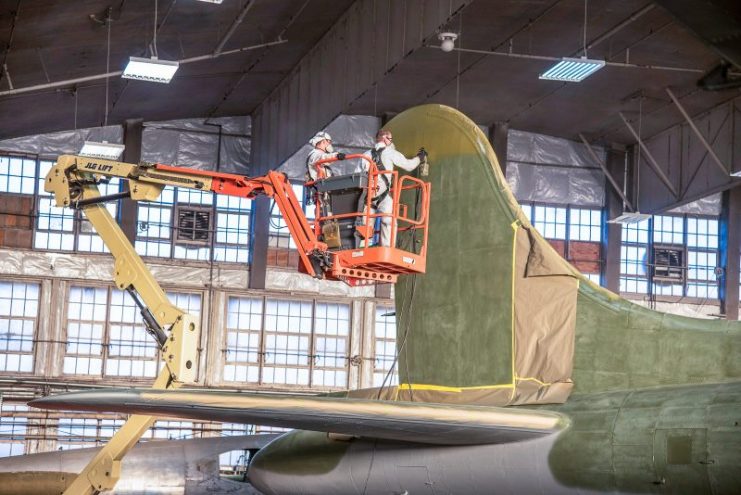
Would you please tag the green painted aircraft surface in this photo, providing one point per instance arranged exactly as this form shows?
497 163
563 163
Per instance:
610 397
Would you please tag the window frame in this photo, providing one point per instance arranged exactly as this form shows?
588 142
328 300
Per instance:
35 347
106 338
263 333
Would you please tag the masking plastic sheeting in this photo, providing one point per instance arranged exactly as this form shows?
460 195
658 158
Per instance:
554 170
709 205
59 143
480 326
500 318
92 267
195 144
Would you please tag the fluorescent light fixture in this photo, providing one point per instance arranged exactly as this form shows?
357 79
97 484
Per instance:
630 217
212 1
737 173
150 69
573 69
109 151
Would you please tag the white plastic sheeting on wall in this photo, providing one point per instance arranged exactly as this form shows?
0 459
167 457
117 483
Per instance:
553 170
350 134
709 205
60 143
195 143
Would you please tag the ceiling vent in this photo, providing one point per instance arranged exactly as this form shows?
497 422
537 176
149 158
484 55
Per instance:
194 225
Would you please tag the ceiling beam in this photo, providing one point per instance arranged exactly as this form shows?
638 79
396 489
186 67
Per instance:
607 173
649 157
699 135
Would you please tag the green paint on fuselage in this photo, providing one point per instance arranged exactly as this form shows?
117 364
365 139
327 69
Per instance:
683 439
300 453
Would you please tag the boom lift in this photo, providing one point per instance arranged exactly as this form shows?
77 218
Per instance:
328 247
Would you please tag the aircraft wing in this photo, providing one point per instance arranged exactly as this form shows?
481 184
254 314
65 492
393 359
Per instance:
391 420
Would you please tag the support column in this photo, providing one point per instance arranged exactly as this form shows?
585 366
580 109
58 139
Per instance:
498 138
730 250
260 238
612 232
133 129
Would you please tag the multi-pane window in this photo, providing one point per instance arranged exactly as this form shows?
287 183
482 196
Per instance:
19 307
17 175
676 236
106 335
384 345
131 350
232 229
13 426
173 430
287 342
79 433
668 232
55 226
76 433
243 332
154 225
331 344
86 320
280 237
161 235
585 224
66 229
550 221
702 257
88 239
574 232
634 257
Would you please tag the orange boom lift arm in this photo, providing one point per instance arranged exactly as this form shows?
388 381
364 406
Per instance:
353 263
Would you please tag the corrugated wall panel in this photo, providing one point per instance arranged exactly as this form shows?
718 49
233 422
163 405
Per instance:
369 39
686 162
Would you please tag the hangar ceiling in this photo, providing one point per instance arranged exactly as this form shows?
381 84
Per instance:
48 41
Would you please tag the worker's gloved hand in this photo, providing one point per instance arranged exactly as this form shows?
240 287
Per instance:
340 156
422 154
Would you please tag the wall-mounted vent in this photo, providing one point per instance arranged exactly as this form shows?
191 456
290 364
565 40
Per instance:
670 263
194 225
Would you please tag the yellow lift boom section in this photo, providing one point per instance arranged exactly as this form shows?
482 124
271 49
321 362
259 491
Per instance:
73 181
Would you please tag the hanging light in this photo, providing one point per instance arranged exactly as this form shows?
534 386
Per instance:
630 217
150 69
106 150
572 69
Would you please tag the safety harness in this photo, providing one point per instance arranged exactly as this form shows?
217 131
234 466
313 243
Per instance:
376 156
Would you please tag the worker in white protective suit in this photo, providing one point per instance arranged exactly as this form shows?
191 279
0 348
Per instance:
322 149
386 156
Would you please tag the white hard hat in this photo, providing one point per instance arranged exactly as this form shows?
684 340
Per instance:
318 137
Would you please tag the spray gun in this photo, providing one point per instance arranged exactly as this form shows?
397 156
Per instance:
424 167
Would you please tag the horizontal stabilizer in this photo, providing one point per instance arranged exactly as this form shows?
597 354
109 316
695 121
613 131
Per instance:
390 420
